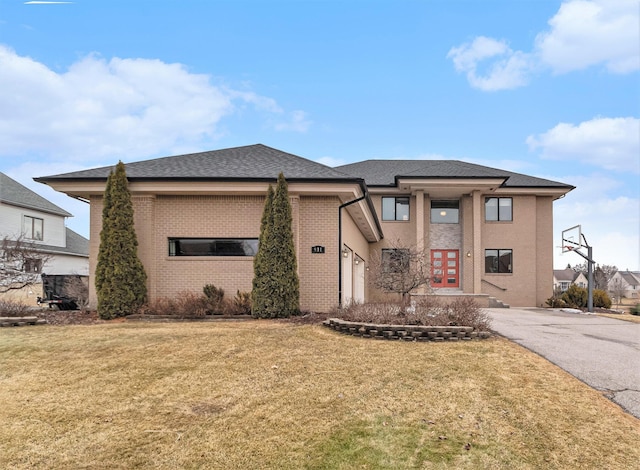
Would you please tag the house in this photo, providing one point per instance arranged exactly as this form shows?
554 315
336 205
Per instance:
57 250
563 278
626 284
487 232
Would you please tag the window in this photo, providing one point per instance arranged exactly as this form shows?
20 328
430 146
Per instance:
395 260
33 227
395 208
498 261
32 265
445 212
564 285
498 209
213 246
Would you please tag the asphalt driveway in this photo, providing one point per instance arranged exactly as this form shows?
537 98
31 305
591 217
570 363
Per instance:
602 352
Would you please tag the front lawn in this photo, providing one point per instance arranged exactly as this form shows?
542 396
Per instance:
263 394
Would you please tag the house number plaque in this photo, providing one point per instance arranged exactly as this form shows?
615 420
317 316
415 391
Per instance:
318 249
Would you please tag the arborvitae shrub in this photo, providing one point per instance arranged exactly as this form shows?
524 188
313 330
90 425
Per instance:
122 286
276 291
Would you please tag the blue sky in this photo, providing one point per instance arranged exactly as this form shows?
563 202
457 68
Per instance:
546 88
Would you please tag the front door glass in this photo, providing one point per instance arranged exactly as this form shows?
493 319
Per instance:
445 268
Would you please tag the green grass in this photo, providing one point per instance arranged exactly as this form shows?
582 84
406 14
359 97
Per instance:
263 394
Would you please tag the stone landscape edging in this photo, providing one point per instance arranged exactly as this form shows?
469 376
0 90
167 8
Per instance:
405 332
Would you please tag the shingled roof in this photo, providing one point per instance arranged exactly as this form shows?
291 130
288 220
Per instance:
386 172
77 245
252 162
15 194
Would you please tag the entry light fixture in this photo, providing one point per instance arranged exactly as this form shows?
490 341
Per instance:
469 254
345 253
357 261
443 213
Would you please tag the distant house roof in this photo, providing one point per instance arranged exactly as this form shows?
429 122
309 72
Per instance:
567 274
631 277
15 194
386 172
252 162
77 245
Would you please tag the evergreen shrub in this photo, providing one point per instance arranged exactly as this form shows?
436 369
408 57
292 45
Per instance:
576 296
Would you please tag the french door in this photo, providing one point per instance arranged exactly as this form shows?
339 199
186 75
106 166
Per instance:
445 268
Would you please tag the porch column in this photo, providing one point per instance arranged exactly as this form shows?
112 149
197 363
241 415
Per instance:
478 255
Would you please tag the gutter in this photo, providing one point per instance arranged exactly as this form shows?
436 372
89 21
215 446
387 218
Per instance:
365 195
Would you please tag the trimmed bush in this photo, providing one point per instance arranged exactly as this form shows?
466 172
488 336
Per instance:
635 310
242 303
9 308
427 311
575 296
601 299
214 299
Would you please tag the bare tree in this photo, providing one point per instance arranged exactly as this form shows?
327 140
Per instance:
77 288
617 290
21 263
400 270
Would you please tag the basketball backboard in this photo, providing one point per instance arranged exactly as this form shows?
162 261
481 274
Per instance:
572 239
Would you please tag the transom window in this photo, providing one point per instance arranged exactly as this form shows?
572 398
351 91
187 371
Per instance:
445 212
213 246
395 260
395 208
498 261
498 208
33 227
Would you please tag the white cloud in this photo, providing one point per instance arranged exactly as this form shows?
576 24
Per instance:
585 33
116 109
610 225
296 121
610 143
508 70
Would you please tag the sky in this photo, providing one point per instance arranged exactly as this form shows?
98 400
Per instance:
546 88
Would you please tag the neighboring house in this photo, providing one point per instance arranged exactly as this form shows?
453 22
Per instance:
27 216
486 232
563 278
627 282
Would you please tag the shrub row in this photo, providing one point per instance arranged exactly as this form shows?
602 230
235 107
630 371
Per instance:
426 311
577 297
189 304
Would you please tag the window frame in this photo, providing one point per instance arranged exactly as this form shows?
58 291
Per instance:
446 204
174 251
497 264
29 227
396 217
32 265
498 216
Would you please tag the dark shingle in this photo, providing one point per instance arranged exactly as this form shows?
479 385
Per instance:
252 162
76 245
12 192
385 172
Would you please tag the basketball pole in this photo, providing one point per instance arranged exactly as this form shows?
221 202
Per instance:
590 262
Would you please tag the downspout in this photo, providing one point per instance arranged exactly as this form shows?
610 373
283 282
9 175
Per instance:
342 206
